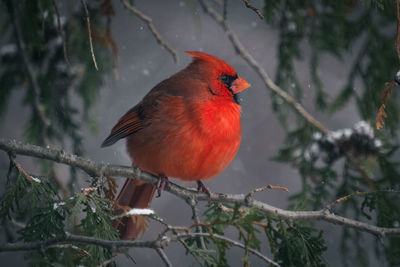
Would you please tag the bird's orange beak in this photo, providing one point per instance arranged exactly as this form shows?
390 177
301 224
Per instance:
239 85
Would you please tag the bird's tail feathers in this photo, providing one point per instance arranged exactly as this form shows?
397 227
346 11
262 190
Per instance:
134 194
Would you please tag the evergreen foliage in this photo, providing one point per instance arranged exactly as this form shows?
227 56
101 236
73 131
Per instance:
57 48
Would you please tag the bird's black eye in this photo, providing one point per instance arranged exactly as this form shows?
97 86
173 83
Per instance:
225 78
228 79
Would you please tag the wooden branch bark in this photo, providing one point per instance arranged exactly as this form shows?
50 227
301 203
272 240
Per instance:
87 18
245 54
37 106
157 244
242 51
146 19
99 169
249 5
164 257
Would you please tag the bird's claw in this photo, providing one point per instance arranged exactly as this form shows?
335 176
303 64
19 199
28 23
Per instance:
202 188
162 182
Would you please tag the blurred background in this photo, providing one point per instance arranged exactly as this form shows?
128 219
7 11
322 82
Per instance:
333 58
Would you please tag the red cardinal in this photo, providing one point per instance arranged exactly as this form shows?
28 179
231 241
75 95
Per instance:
186 127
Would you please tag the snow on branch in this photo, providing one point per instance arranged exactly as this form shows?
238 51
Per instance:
103 169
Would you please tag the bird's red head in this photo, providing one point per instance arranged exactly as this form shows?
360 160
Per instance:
223 79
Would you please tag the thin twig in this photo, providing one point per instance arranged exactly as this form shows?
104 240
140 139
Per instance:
72 238
97 169
342 199
80 250
195 256
389 85
112 244
89 32
248 5
152 28
22 170
195 217
242 51
225 10
61 31
37 106
387 92
17 223
354 161
260 189
357 193
397 40
242 211
233 243
164 257
105 263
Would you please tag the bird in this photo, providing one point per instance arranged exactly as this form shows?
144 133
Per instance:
187 127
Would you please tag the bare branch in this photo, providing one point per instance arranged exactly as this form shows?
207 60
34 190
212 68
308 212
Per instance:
61 31
342 199
71 238
357 193
236 244
80 250
164 257
37 106
89 32
152 28
195 217
112 244
242 51
397 40
354 161
225 10
21 170
101 169
248 5
17 223
260 189
105 263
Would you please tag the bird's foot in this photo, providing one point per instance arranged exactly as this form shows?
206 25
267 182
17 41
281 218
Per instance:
162 182
202 188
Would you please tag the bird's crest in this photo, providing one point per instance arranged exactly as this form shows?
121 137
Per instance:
216 62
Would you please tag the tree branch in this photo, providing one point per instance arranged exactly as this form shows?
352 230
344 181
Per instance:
101 169
87 18
232 242
164 257
80 250
157 244
146 19
61 31
242 51
397 40
248 5
245 54
71 238
37 106
195 217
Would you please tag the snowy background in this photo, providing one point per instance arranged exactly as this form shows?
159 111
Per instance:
143 63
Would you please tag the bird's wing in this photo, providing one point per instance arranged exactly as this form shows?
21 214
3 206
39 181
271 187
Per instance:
128 124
